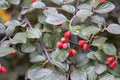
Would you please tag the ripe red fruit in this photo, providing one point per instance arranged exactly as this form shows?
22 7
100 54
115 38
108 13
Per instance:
65 45
63 40
110 59
67 34
113 64
101 1
13 53
85 47
59 25
3 69
59 44
33 1
81 42
72 52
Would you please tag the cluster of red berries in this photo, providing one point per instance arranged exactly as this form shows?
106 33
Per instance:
62 44
111 61
101 1
83 45
3 69
33 1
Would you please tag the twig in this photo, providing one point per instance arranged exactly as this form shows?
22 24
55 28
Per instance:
28 22
3 39
44 49
73 42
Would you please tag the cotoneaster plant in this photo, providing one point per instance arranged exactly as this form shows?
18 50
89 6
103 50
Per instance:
63 39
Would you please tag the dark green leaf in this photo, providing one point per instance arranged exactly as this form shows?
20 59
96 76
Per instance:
107 77
100 68
109 49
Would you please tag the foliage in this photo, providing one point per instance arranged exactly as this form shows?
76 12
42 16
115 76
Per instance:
34 28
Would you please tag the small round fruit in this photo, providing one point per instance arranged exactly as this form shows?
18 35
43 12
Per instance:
110 59
13 53
3 69
59 44
85 47
101 1
63 40
65 45
59 25
33 1
81 42
113 64
67 34
72 52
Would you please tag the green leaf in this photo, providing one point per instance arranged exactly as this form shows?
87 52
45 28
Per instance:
100 68
94 3
107 77
50 11
56 19
99 42
109 49
19 38
91 55
75 30
78 74
5 43
33 33
69 8
10 30
91 73
68 1
12 23
58 64
83 14
40 73
16 2
60 55
4 4
100 55
85 6
105 8
38 4
38 58
28 48
5 51
90 30
41 19
98 19
113 28
2 28
59 2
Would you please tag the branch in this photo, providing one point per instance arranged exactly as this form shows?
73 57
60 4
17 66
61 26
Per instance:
28 22
44 49
3 39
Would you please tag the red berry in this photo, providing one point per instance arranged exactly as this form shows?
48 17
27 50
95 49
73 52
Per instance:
3 69
101 1
81 42
59 44
63 40
72 52
65 45
85 47
67 34
13 53
110 59
59 25
113 64
33 1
